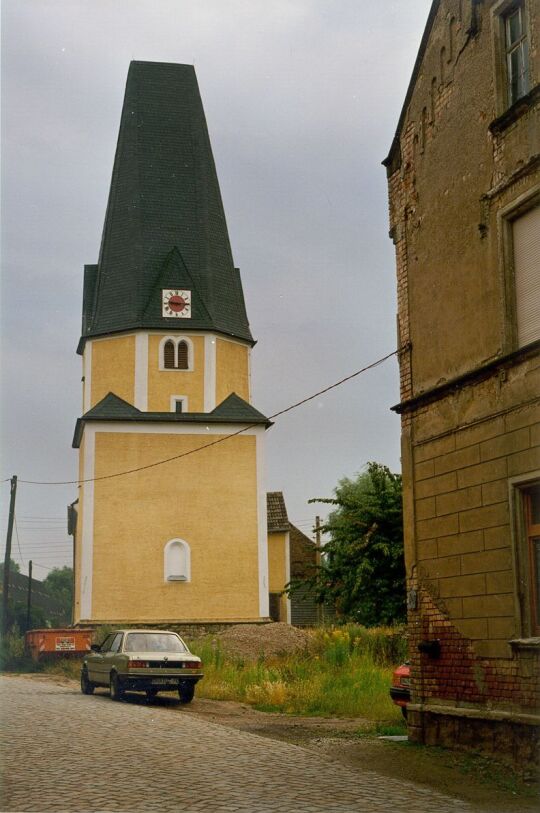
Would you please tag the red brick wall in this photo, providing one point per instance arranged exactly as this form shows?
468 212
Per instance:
459 675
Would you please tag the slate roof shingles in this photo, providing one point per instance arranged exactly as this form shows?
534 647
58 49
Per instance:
164 197
112 408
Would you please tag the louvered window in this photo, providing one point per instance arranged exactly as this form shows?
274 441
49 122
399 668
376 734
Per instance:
168 355
175 353
526 248
182 356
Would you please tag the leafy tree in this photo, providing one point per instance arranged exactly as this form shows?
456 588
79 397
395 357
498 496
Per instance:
362 572
59 585
14 567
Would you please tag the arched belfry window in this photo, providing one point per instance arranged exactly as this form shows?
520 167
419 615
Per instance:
168 355
177 561
183 356
175 353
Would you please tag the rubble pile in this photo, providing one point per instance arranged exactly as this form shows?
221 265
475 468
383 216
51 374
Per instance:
255 640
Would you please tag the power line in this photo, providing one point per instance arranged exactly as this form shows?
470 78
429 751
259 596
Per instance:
17 538
214 442
36 564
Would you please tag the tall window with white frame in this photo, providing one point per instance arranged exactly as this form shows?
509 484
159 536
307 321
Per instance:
517 53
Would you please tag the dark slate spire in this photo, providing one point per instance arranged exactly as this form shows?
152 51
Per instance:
165 225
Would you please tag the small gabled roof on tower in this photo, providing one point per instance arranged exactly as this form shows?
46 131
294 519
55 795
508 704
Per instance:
165 226
112 408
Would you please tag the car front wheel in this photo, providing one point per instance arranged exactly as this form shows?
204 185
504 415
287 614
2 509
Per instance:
117 691
87 687
186 693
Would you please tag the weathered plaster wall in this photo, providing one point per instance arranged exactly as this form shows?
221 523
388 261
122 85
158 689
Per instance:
455 173
113 368
213 508
232 370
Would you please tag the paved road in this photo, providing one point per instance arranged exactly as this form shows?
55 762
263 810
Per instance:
67 752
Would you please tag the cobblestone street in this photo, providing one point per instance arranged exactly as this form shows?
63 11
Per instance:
63 751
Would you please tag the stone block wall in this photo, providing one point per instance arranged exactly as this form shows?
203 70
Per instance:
465 551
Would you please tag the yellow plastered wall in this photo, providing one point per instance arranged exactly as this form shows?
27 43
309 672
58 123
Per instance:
232 370
277 569
209 500
113 368
162 384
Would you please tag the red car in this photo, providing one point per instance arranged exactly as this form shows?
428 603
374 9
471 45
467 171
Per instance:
400 690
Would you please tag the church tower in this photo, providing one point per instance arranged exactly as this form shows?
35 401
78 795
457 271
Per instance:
166 348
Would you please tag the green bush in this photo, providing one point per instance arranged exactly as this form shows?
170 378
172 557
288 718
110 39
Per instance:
13 655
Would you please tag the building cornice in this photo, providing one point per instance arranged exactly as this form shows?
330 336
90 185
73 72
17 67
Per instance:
467 379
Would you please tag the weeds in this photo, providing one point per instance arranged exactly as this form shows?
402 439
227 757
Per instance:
346 672
13 655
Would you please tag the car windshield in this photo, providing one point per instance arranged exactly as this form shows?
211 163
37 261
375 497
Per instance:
153 642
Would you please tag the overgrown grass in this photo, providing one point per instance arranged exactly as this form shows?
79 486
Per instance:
346 672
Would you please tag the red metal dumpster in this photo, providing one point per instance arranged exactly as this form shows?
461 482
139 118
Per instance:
58 642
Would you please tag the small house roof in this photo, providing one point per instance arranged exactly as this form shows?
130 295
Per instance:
276 512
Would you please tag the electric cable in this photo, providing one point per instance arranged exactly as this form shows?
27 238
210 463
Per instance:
214 442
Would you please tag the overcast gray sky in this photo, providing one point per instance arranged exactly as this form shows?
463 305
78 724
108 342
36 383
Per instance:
302 99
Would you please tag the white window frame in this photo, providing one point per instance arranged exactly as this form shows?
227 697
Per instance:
506 217
183 399
169 576
500 14
176 341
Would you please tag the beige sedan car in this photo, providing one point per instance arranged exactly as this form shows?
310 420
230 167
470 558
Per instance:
142 661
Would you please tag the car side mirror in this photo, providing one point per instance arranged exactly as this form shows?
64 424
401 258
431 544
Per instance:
95 647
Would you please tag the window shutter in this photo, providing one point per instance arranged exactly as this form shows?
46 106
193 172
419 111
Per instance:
168 355
182 356
526 239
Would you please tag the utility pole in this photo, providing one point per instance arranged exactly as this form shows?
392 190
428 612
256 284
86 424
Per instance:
7 558
29 604
320 608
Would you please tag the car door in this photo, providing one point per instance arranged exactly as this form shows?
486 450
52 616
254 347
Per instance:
110 657
96 668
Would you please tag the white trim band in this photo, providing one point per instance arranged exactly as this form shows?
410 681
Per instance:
140 396
87 536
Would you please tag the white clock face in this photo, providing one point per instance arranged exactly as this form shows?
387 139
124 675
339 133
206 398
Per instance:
176 304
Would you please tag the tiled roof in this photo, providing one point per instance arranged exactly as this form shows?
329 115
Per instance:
165 226
276 512
112 408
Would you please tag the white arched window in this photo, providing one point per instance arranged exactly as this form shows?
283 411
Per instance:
177 561
176 353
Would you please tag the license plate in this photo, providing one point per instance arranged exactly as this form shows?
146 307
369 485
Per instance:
164 682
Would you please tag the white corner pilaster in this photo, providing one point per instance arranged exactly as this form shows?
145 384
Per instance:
140 395
87 375
288 571
87 541
210 342
264 609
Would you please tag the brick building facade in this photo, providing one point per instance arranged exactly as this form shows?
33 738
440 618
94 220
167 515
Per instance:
464 192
